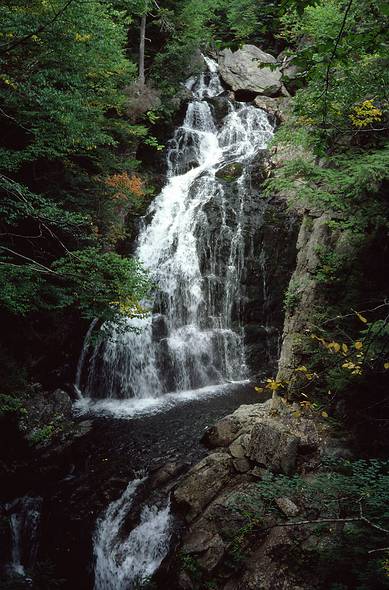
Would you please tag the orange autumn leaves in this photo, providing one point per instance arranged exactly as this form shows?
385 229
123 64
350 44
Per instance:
126 187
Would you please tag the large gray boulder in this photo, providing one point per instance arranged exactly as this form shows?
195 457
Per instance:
273 446
203 482
226 430
241 70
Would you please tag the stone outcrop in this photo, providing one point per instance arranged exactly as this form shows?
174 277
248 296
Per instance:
216 495
203 483
229 428
245 70
279 107
305 291
47 420
274 447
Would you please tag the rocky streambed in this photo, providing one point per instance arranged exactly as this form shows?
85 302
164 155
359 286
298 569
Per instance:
78 478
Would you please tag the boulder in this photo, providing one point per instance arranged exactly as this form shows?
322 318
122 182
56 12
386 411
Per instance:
226 430
242 71
278 107
273 446
287 507
166 473
206 545
241 465
221 106
203 483
238 447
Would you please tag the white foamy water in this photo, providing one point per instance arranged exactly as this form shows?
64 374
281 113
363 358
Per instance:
24 521
122 559
194 248
133 408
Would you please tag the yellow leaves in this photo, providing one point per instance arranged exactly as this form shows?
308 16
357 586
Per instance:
344 348
304 371
324 414
348 365
358 345
355 368
364 114
8 82
306 121
82 38
296 414
273 384
386 365
361 317
129 307
335 346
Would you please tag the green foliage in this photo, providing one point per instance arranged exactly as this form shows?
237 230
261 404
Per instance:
66 139
191 566
42 435
55 106
102 285
349 185
332 266
338 492
10 405
342 60
338 129
292 296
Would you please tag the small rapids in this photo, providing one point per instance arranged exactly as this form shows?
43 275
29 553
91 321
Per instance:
24 521
122 560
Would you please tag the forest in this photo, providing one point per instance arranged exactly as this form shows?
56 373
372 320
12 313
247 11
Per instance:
169 227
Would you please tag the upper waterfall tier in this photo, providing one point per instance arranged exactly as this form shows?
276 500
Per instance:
194 248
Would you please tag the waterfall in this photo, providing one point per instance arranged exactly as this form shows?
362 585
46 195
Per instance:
24 521
125 560
194 249
81 361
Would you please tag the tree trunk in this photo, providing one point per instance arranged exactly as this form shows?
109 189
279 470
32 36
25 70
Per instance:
142 49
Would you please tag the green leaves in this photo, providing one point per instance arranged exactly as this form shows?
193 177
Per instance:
61 81
102 285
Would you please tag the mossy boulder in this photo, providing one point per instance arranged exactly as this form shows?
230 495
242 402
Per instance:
230 172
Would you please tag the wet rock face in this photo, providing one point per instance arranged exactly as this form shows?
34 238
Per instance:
242 71
270 260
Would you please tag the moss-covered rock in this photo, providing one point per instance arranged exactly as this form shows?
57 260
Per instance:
230 172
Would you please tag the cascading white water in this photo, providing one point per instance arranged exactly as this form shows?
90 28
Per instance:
123 560
24 520
194 250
